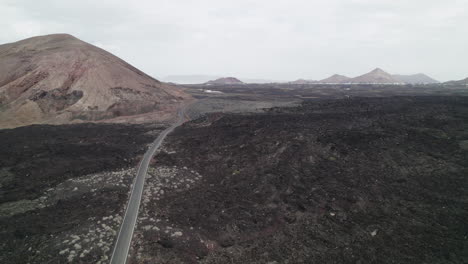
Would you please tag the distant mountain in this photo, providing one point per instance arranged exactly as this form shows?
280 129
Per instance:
336 78
303 81
375 76
419 78
460 82
225 80
199 78
190 79
248 80
58 79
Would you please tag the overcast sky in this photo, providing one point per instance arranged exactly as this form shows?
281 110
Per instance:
270 39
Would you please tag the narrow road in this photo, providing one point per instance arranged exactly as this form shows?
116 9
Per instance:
124 238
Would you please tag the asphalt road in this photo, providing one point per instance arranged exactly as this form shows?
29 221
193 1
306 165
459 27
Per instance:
124 238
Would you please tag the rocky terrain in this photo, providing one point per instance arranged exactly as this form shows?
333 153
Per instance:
269 173
64 189
361 180
277 92
57 79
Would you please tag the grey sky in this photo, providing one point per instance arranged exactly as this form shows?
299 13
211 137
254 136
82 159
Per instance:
268 39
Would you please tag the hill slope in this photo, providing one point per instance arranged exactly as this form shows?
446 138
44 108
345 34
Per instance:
60 79
335 78
460 82
375 76
414 78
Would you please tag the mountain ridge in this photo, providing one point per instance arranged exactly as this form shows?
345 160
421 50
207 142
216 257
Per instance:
378 76
375 76
418 78
457 82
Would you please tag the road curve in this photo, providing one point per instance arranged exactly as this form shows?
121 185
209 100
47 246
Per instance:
124 238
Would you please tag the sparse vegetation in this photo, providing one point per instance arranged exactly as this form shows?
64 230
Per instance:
64 190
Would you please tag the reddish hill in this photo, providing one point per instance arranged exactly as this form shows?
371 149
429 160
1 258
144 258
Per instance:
59 79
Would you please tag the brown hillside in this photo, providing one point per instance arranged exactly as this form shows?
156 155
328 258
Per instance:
59 79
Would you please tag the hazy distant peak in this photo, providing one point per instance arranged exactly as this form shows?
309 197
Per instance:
419 78
459 82
303 81
378 70
225 80
335 78
375 76
338 75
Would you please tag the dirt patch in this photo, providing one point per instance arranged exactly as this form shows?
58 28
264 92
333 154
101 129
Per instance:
56 100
